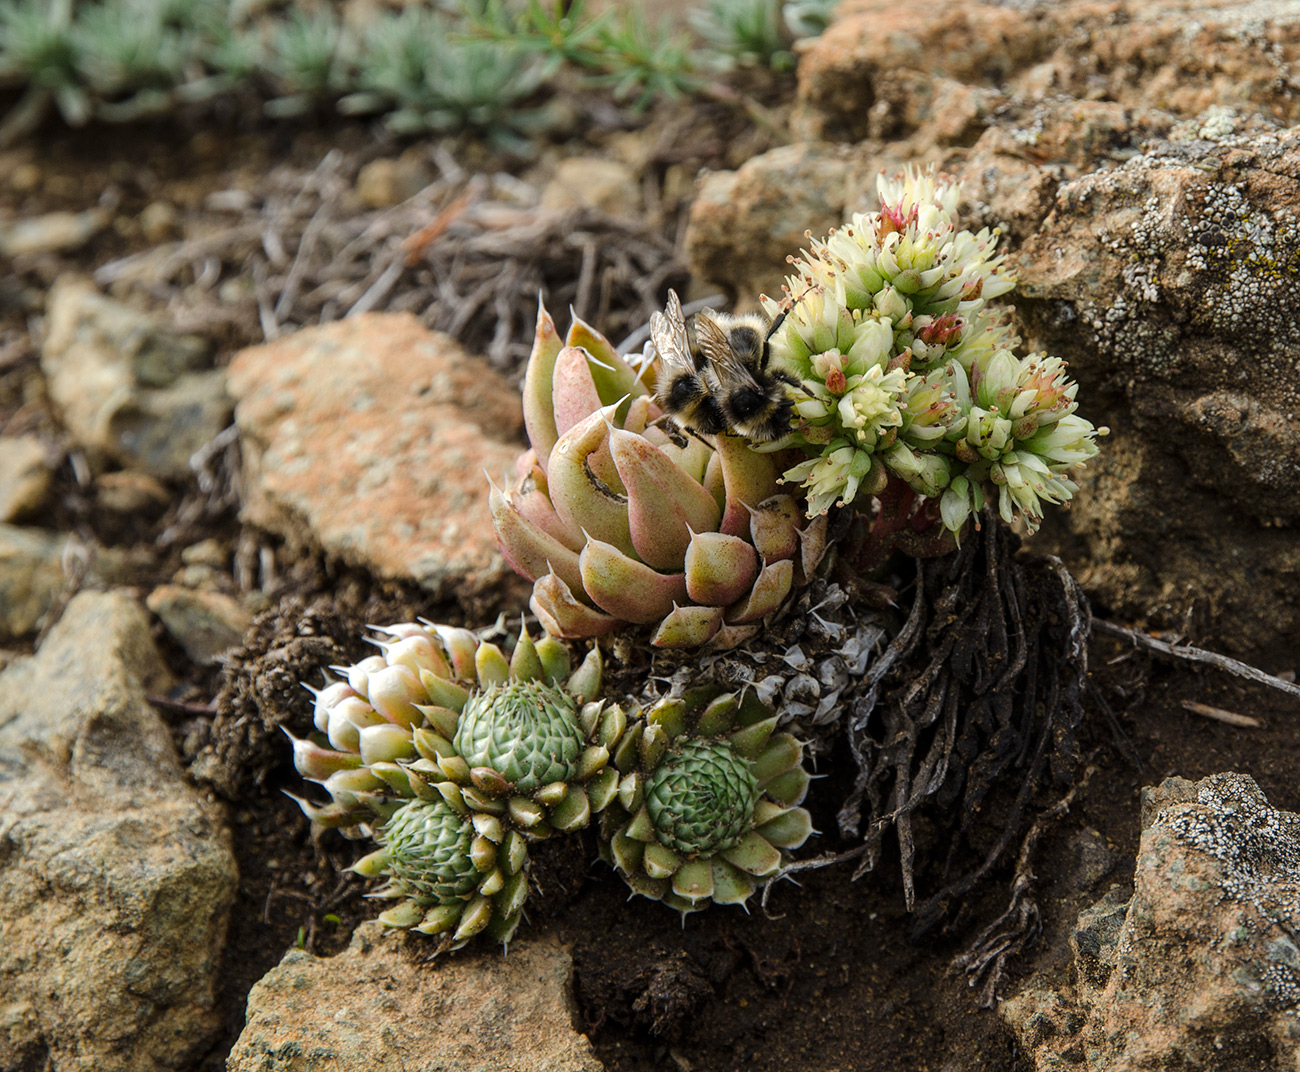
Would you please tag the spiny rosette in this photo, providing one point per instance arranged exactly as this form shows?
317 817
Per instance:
441 714
908 374
516 748
620 521
708 800
457 873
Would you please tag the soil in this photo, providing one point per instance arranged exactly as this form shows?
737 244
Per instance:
829 978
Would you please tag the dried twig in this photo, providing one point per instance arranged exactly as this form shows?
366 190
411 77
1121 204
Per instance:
1197 655
468 254
1218 714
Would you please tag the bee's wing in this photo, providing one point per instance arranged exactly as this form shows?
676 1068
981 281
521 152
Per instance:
720 359
668 333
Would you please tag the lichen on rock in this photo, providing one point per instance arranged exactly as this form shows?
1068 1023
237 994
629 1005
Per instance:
1200 967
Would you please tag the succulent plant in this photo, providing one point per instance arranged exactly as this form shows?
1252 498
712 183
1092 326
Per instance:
908 373
708 801
456 873
456 757
620 521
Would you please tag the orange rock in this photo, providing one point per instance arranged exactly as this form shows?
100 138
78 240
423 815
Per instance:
373 434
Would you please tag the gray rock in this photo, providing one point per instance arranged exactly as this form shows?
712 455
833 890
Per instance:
31 577
37 567
594 182
129 390
744 223
117 877
25 478
381 1006
204 623
1200 968
1160 276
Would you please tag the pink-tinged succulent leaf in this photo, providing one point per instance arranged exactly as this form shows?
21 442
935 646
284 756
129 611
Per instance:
584 485
688 627
531 551
564 616
713 482
774 527
534 505
614 377
462 647
719 569
575 394
771 587
748 477
527 465
329 815
626 588
812 545
640 412
539 415
664 504
317 763
384 743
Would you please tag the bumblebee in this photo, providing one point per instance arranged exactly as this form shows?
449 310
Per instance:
715 374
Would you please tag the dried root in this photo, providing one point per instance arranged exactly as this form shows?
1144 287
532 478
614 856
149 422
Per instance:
981 691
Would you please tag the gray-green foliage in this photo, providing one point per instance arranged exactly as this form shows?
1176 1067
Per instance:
481 65
748 32
415 71
760 32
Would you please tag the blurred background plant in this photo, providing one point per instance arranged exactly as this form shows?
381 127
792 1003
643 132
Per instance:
489 67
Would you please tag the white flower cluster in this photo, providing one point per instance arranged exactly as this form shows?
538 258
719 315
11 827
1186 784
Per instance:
907 372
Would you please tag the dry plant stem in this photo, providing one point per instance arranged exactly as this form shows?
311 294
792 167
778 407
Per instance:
1218 714
1197 655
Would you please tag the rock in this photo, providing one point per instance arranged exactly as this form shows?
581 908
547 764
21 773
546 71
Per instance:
37 567
744 223
31 577
118 878
593 182
1200 968
879 70
55 232
129 390
25 478
386 182
204 623
373 434
1159 282
25 177
210 552
129 491
381 1006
